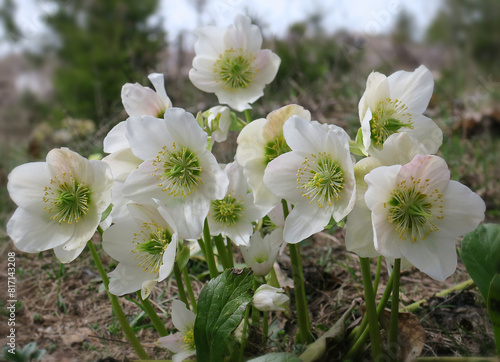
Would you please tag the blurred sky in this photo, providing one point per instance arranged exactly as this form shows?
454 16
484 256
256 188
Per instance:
360 16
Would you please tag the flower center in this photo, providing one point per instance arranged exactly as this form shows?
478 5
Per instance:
68 201
235 68
388 118
413 211
188 339
276 147
151 243
228 210
178 170
321 179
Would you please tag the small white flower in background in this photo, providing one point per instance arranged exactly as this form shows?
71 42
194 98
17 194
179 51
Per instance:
218 122
145 244
417 213
140 101
261 252
177 169
399 149
60 203
268 298
181 343
232 216
395 104
231 63
260 142
317 177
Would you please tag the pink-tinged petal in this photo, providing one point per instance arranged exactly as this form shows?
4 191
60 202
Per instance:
463 210
381 181
413 89
385 237
359 233
159 83
27 183
116 139
182 317
168 260
140 101
303 221
64 161
147 136
173 342
67 256
431 173
32 232
435 256
280 176
122 163
427 133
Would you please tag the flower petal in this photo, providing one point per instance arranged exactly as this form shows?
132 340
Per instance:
414 89
280 176
303 221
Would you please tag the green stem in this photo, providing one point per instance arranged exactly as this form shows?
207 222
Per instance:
377 275
393 331
265 324
304 335
187 281
146 304
122 319
244 334
180 285
255 311
371 311
273 279
221 248
248 116
229 248
209 252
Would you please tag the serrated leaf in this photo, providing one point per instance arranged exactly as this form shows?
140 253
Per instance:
493 303
481 255
221 306
277 357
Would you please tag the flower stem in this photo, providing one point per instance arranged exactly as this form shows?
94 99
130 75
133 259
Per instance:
248 116
244 333
180 285
209 252
371 311
187 280
304 335
221 248
273 279
377 275
159 326
265 324
122 319
229 248
393 331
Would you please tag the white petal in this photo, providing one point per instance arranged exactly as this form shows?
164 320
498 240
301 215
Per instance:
428 134
209 41
122 163
117 240
268 64
159 83
280 176
204 80
140 101
189 216
116 139
168 260
184 130
399 149
67 256
385 237
430 169
147 136
366 129
377 89
276 119
173 342
127 279
84 229
254 172
181 316
142 187
251 144
27 183
359 233
414 89
381 181
147 287
303 221
181 356
243 35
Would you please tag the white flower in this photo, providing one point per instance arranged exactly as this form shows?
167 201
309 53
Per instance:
181 343
141 101
232 216
260 142
417 213
399 148
218 121
261 253
317 177
395 104
231 64
60 203
145 244
177 168
267 298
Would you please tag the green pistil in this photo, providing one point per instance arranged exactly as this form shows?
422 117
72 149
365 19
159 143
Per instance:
235 69
324 180
228 210
410 210
70 202
179 171
275 148
389 117
150 251
188 339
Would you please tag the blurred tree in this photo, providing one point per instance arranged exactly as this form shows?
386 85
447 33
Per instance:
101 46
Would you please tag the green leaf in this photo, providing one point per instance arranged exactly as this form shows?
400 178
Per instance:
106 212
221 306
277 357
182 256
493 303
236 124
481 255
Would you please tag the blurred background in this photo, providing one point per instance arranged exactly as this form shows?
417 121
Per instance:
63 63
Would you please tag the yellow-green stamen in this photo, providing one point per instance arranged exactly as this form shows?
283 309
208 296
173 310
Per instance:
388 118
235 69
227 211
151 242
275 148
